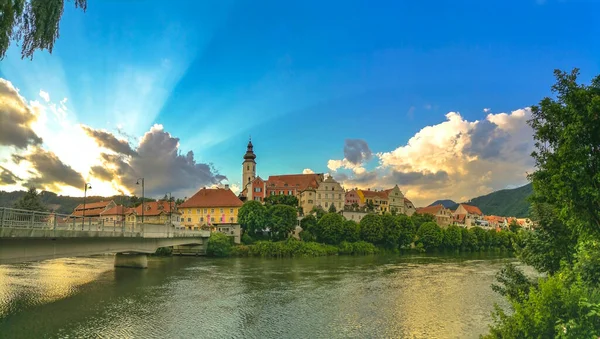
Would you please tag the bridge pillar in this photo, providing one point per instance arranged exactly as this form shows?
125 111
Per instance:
131 260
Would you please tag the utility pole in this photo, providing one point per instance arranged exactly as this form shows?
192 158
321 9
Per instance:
170 209
137 183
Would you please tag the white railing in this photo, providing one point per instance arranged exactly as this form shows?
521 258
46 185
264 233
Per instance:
24 219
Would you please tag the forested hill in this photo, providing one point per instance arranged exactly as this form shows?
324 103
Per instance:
446 203
58 203
506 203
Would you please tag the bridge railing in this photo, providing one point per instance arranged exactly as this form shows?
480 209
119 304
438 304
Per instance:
17 218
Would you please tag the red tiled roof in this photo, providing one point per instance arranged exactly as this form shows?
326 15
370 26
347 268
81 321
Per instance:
154 208
301 182
472 209
373 194
213 197
93 205
433 210
117 210
493 218
88 212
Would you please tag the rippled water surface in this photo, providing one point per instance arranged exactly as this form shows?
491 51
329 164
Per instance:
334 297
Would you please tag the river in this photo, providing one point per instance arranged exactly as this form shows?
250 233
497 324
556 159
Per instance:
414 296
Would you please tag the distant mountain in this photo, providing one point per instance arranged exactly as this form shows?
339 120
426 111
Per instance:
506 203
446 203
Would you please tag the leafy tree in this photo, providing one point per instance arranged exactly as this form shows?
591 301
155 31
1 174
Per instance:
407 230
429 235
420 219
514 226
371 228
253 217
391 231
567 150
481 235
351 231
318 211
369 206
34 23
219 245
469 240
551 243
309 223
332 208
331 227
282 220
179 201
281 199
307 236
452 237
30 201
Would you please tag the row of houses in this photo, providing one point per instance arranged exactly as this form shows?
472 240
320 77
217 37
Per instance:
154 212
470 216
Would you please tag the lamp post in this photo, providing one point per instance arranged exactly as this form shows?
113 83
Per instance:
137 183
87 186
170 209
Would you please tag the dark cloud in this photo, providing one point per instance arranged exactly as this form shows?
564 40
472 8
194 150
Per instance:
163 167
109 141
7 177
356 151
422 179
101 173
51 171
487 140
16 118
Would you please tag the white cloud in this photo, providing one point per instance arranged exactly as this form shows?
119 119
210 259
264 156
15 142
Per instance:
308 171
487 110
44 95
456 159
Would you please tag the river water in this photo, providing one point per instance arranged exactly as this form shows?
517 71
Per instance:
414 296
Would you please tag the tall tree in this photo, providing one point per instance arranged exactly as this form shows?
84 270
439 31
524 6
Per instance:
371 228
332 208
567 150
30 201
282 220
253 217
331 228
34 23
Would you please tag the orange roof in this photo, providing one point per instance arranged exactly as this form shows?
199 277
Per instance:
154 208
373 194
472 209
88 212
301 182
213 197
493 218
433 210
117 210
93 205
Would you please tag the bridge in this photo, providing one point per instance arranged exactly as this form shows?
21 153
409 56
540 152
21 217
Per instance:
32 236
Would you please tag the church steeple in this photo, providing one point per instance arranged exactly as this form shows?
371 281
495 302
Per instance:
249 165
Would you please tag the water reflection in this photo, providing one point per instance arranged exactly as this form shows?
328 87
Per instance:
411 296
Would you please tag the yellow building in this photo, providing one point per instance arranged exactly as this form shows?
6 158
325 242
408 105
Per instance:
210 207
155 212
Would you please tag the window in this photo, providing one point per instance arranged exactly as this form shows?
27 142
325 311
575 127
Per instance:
221 211
326 204
289 192
280 192
310 201
198 210
254 167
231 210
212 210
332 189
189 219
205 210
257 189
319 195
310 194
326 188
340 197
201 219
231 219
272 192
249 179
248 167
212 219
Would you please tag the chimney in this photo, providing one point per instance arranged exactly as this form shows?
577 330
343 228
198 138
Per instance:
226 186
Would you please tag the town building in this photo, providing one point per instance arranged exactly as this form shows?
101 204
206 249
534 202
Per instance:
382 201
442 215
211 208
155 212
330 193
92 209
354 215
352 199
467 215
248 166
114 215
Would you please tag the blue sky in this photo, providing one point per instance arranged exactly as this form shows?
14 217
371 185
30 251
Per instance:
302 77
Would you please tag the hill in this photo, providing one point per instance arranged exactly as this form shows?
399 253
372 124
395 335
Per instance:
446 203
64 204
507 203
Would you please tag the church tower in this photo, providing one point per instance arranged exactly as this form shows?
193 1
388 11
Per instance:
248 166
